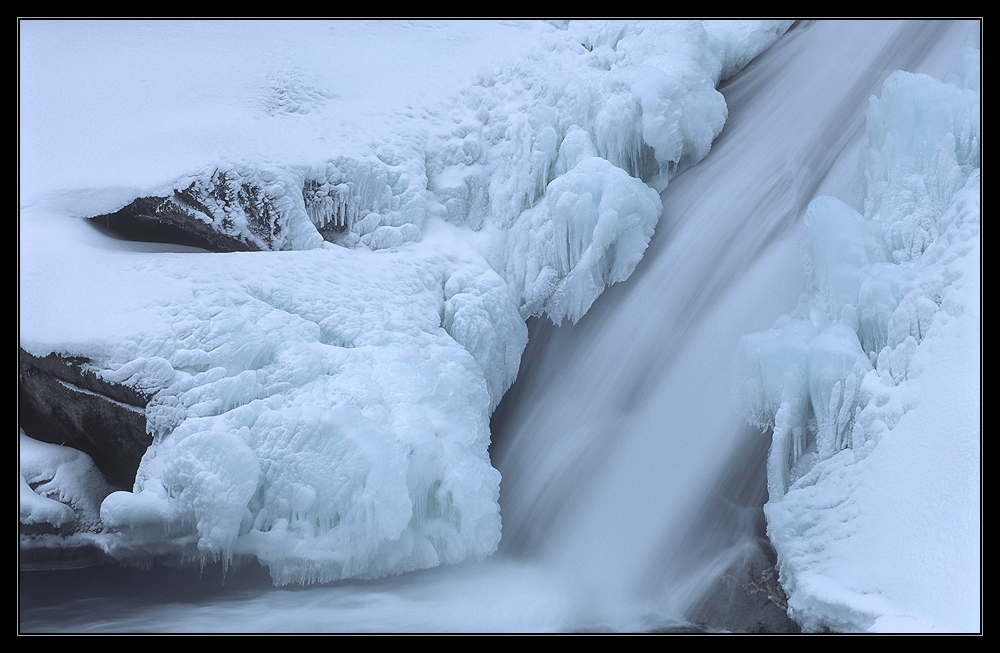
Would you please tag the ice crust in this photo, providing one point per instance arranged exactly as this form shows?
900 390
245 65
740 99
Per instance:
324 408
871 387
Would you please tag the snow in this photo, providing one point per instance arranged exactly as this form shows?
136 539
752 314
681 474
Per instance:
872 386
59 486
324 407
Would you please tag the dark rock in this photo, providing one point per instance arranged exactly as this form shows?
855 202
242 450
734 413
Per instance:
747 598
226 212
63 400
61 557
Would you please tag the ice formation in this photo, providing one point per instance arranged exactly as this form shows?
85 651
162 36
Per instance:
59 487
876 374
324 408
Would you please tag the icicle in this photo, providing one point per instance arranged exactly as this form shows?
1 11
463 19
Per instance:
329 206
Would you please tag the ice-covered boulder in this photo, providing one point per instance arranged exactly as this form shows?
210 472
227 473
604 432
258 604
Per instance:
324 411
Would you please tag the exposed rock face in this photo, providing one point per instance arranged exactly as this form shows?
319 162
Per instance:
226 212
63 400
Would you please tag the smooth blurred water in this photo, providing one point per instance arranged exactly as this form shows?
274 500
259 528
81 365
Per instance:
624 426
629 478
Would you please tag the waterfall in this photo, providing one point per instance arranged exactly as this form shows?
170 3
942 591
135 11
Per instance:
630 480
620 434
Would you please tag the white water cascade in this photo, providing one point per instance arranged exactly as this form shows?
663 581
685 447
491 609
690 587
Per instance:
624 428
619 441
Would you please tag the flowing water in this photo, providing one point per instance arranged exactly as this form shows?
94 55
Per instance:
629 480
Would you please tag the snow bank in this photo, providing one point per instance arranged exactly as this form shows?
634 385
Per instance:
325 407
872 386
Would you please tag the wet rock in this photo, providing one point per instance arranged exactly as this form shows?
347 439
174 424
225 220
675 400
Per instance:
747 598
